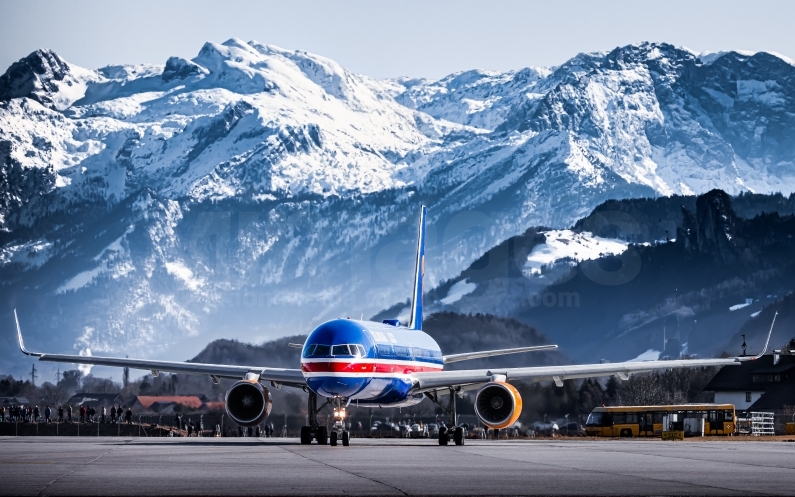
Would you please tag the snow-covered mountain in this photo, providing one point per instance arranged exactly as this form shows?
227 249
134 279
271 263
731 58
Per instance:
254 191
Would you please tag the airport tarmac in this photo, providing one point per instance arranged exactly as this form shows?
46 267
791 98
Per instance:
279 466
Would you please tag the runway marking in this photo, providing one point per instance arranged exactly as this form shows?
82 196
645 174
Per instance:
343 470
630 475
84 465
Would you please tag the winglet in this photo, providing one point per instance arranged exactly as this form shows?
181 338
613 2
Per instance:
415 322
19 337
767 342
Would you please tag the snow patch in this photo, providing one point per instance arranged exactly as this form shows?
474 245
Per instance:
183 273
81 279
737 307
115 246
457 291
567 245
649 355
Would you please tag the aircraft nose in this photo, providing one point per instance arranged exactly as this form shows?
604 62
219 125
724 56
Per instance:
336 387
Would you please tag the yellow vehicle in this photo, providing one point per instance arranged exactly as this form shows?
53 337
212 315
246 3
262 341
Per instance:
647 421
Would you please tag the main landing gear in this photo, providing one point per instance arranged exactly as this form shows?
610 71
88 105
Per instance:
455 433
314 431
320 433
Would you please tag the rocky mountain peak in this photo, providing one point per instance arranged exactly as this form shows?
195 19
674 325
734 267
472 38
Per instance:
35 77
712 230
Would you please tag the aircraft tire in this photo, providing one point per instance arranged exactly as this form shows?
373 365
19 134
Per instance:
306 435
443 436
334 438
322 435
458 436
346 439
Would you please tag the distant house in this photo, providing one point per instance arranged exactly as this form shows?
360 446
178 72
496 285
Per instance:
14 401
760 385
167 403
95 400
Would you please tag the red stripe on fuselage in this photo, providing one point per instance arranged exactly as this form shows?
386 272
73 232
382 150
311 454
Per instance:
367 367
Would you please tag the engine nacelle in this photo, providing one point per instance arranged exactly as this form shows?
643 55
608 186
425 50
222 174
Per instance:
248 403
498 404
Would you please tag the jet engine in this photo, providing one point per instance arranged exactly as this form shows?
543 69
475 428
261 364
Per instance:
248 403
498 404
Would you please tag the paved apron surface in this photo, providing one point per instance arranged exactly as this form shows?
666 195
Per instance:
277 466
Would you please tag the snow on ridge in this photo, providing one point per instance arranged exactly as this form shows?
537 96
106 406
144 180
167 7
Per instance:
710 57
457 291
569 246
81 279
30 255
370 141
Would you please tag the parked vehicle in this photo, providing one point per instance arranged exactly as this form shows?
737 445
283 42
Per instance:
418 431
477 432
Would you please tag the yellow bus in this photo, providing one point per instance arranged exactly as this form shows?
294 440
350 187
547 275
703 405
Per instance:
647 421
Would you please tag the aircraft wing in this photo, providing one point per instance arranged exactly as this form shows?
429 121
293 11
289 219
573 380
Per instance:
490 353
289 377
425 382
442 379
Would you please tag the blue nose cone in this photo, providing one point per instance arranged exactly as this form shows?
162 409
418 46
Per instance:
330 371
336 387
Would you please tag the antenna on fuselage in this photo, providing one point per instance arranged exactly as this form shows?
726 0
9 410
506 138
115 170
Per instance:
415 323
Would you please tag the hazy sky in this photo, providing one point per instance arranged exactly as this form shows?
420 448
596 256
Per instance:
386 39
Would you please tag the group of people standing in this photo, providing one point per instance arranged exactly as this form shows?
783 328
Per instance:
87 414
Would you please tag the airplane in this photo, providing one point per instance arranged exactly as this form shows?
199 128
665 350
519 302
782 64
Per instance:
384 364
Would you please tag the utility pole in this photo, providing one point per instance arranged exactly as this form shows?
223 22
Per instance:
58 376
33 374
125 379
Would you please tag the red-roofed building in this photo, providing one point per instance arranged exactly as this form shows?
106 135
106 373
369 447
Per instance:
167 403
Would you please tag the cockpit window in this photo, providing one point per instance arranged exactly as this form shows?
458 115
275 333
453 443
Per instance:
344 350
318 350
339 350
349 349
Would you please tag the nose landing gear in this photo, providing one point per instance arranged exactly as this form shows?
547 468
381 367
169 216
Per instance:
338 431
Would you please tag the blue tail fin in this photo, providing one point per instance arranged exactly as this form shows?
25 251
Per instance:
419 275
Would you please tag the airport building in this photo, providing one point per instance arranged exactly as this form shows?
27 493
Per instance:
764 385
